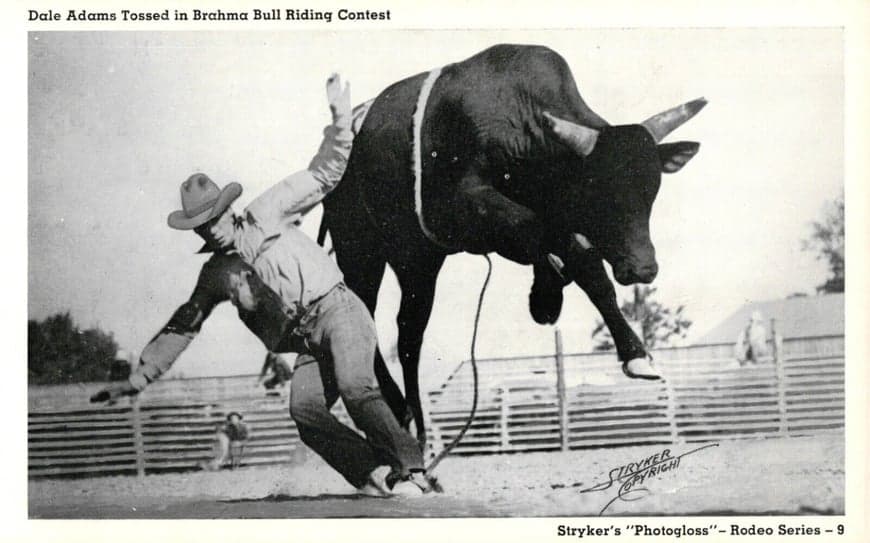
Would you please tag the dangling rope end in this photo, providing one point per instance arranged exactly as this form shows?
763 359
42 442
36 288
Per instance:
437 460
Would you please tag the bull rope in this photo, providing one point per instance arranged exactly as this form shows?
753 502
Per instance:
417 155
417 161
455 441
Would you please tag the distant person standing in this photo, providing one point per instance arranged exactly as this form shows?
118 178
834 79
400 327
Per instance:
230 440
751 344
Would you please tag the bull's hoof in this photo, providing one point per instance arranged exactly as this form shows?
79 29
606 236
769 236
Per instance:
545 307
640 368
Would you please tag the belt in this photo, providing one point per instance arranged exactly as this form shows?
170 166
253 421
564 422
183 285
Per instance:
314 303
298 342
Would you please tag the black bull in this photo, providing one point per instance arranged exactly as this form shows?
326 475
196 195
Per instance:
513 162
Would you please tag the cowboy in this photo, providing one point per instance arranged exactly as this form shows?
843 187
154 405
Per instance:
292 296
230 440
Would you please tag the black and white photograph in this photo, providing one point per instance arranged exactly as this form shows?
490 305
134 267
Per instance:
561 273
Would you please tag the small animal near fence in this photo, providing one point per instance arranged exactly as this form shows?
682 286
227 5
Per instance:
555 402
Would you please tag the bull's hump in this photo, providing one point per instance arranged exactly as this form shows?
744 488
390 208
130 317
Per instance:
510 55
532 66
503 92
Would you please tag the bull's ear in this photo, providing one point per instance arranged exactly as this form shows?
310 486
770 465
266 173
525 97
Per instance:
674 156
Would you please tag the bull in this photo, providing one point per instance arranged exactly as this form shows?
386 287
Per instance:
499 153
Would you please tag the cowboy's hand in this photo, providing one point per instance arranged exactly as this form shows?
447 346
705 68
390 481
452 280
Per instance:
113 392
339 98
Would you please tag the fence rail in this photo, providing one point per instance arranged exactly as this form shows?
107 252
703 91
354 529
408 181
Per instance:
583 400
170 426
556 402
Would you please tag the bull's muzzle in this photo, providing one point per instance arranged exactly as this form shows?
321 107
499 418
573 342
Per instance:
629 274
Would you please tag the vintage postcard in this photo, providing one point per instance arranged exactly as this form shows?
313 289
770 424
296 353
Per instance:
540 272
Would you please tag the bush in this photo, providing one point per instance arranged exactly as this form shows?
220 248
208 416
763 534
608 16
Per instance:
59 353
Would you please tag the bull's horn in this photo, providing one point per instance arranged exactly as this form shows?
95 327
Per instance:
667 121
579 138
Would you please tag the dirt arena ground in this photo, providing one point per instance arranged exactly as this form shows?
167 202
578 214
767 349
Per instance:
767 476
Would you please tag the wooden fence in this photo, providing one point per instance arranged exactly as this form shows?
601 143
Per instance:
583 400
526 404
170 426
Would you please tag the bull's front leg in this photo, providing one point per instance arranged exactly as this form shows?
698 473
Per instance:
516 233
545 298
588 272
494 222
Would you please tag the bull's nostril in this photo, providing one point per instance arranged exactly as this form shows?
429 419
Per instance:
648 273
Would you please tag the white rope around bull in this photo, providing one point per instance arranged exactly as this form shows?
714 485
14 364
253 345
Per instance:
417 154
417 160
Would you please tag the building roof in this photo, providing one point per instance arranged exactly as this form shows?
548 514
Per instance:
808 316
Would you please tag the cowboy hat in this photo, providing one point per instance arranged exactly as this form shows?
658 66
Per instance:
201 201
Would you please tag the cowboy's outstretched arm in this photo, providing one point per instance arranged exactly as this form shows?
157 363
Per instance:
165 348
298 193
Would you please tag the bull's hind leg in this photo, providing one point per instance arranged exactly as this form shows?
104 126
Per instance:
417 280
363 268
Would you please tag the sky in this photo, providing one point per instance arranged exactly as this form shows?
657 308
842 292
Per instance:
117 120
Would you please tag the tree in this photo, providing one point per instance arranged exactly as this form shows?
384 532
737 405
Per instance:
58 352
828 241
656 324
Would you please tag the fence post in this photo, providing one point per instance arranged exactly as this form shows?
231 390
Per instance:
780 377
137 436
560 392
671 411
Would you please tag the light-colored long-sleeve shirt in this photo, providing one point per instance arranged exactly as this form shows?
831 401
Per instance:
274 270
295 195
287 261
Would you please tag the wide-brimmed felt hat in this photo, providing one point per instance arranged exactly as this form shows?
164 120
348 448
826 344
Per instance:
201 201
236 413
